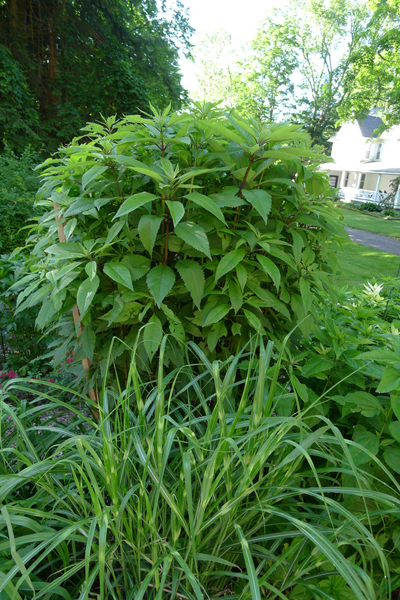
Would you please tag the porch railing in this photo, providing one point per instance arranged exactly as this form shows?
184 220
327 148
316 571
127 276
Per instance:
353 195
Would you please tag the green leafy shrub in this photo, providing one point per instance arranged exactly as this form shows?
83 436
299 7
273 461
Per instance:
352 359
18 186
200 225
186 493
20 340
370 207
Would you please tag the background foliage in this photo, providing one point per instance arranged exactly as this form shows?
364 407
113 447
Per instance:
62 63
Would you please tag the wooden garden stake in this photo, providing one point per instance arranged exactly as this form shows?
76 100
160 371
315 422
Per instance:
75 310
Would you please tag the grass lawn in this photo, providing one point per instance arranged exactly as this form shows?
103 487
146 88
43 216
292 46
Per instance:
372 224
360 264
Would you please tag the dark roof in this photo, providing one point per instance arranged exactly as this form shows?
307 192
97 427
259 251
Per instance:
369 125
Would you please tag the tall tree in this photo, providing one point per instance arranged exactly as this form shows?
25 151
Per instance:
299 67
215 59
81 58
263 83
375 68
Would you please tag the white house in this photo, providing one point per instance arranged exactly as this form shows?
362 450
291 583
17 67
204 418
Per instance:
365 163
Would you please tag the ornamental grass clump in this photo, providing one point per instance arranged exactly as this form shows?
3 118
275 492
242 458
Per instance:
200 225
187 491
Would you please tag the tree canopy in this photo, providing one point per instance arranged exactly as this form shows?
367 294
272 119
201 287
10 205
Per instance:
299 66
64 62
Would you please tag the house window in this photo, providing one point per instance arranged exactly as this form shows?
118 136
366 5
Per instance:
362 181
346 179
368 151
378 152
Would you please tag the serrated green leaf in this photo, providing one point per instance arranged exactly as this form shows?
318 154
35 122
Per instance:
390 381
260 201
193 277
86 293
194 236
392 457
298 244
229 262
241 273
88 340
91 174
148 228
160 281
368 440
394 429
395 404
253 320
270 269
215 314
137 264
113 232
206 203
364 402
217 331
176 209
118 273
306 294
235 295
91 269
152 336
134 202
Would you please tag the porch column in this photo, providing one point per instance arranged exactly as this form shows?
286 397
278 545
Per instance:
342 179
359 181
396 203
378 183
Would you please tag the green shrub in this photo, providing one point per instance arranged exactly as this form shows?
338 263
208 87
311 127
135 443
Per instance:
197 492
370 207
200 225
352 361
20 340
18 186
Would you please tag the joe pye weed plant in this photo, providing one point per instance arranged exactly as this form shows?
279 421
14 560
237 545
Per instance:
201 225
188 486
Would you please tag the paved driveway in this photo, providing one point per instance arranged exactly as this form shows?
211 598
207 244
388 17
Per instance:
374 240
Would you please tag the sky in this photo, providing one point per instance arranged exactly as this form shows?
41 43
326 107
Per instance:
240 18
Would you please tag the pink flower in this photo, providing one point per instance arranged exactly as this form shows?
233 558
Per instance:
51 380
3 375
70 359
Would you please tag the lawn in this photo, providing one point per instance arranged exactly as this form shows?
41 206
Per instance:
372 224
360 264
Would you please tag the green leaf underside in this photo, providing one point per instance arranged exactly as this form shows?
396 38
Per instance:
66 250
193 277
194 236
160 281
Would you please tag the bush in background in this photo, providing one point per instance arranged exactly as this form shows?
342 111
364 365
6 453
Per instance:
21 342
201 225
18 186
